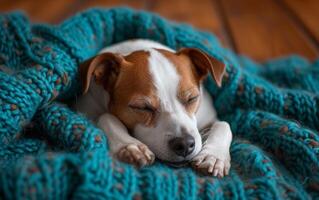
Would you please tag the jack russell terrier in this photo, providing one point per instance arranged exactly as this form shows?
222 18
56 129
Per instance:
148 99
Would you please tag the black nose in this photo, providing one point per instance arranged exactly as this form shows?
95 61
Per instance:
182 146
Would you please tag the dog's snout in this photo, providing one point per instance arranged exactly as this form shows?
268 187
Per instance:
182 146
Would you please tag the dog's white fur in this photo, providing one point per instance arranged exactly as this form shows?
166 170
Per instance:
211 155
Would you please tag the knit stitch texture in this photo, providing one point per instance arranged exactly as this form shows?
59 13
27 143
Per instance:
47 151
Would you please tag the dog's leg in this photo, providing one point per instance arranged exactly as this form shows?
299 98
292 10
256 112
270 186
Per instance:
214 158
122 145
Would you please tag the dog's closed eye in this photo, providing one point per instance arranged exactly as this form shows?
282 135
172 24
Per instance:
143 104
146 112
142 108
189 96
191 100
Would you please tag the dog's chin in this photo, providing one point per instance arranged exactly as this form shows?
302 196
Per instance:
178 161
177 164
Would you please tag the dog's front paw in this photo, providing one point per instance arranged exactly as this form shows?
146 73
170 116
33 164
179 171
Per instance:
211 163
136 154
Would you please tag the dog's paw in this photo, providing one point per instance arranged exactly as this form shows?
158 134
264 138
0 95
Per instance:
136 154
208 163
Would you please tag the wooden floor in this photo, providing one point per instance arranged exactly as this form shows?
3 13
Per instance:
262 29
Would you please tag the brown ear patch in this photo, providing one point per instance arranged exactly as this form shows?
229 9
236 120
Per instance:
104 67
205 63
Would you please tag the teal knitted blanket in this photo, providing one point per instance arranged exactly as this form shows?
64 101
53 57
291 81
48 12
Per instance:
48 151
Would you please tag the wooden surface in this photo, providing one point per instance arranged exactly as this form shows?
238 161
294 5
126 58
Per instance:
261 29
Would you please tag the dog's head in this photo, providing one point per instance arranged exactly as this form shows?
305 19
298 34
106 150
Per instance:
156 93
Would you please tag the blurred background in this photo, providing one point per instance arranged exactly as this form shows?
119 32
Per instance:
261 29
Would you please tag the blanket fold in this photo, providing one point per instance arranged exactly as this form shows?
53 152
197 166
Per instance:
47 151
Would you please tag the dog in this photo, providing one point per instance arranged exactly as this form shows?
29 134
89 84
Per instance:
149 100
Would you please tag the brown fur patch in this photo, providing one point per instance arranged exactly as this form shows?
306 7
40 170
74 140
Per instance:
133 83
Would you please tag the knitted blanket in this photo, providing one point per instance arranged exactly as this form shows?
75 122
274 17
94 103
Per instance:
47 151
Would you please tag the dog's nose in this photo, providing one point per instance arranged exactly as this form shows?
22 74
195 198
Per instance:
182 146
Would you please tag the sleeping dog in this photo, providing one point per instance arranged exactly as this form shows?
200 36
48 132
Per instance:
149 101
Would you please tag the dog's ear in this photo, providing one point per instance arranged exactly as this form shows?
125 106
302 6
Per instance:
205 63
103 68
